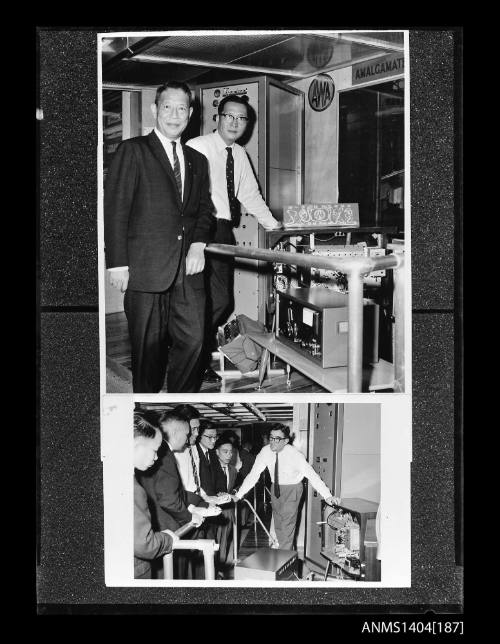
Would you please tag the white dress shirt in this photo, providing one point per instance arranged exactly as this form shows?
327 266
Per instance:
225 469
167 146
185 467
246 188
292 465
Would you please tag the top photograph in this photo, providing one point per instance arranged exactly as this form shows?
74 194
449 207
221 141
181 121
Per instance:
254 212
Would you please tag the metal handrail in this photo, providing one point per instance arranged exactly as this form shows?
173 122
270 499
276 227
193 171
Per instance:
208 546
355 268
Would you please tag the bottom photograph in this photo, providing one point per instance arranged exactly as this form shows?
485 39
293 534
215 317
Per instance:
254 492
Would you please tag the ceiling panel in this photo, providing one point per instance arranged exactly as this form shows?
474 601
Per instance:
234 413
151 61
215 49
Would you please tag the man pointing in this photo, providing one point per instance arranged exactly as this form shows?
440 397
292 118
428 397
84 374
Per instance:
287 467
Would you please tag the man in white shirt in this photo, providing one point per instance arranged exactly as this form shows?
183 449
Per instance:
287 467
232 182
188 460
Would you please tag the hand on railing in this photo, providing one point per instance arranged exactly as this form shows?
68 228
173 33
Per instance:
174 536
211 511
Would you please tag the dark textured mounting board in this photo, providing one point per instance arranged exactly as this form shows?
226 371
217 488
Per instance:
71 542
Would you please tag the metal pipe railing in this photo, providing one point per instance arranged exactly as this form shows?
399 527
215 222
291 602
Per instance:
208 546
355 268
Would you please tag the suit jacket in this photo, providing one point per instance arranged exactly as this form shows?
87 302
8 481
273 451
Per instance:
221 478
168 500
146 226
208 473
148 544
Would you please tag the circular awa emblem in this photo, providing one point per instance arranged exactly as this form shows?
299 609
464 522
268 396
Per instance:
321 92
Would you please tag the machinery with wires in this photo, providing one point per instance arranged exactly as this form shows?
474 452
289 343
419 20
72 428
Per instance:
311 313
292 276
343 536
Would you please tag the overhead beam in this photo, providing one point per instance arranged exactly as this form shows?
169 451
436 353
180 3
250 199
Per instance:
254 410
371 42
144 58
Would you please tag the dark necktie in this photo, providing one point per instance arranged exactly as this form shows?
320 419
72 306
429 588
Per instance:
195 471
177 170
276 479
225 474
234 204
207 454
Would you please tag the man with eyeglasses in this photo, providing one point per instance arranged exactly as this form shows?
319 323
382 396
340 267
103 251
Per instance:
287 467
158 218
171 505
188 459
232 182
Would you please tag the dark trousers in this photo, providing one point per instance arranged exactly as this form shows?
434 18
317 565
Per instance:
166 328
219 275
285 511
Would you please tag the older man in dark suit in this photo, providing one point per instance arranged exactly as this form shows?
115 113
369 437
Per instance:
149 544
171 505
158 217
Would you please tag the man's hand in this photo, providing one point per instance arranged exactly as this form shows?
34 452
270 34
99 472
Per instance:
195 260
175 538
211 511
119 279
196 519
333 500
221 498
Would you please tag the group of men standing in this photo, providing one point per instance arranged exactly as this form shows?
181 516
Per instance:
164 202
188 476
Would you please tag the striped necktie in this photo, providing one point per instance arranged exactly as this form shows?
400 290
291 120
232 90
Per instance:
195 471
177 170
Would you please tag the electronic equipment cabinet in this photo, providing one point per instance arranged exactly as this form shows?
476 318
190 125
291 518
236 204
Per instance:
345 542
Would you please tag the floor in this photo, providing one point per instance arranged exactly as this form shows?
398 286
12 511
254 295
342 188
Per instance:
119 376
252 539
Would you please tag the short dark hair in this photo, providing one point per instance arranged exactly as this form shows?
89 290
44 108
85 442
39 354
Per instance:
223 440
233 98
205 424
282 428
231 436
173 84
188 411
144 424
171 416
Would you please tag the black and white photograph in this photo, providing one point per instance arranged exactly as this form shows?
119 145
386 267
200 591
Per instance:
255 210
256 493
249 350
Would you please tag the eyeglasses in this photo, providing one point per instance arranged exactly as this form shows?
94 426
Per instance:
210 438
273 439
235 119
